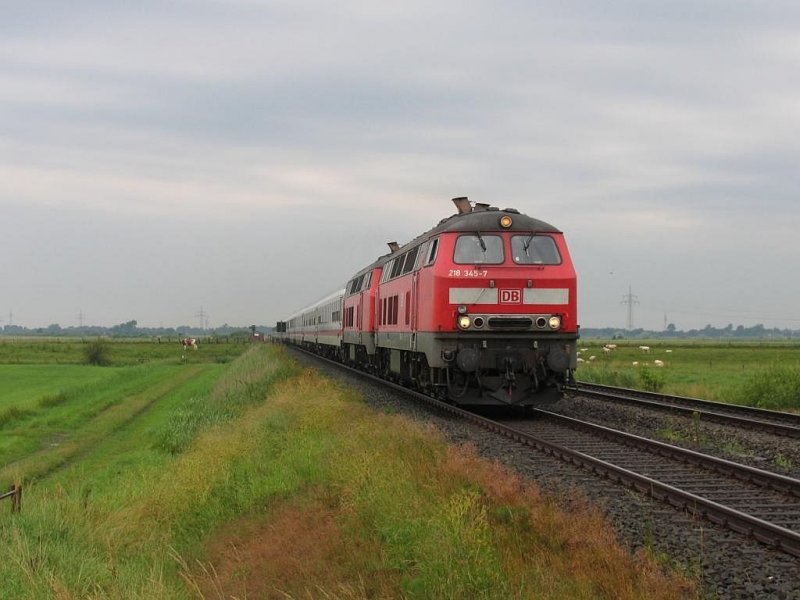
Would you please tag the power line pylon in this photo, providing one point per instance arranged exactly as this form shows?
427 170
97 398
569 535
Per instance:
630 300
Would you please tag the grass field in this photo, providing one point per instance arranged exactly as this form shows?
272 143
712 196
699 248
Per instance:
16 351
212 477
758 374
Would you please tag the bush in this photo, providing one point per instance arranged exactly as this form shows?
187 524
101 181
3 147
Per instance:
650 381
97 353
776 387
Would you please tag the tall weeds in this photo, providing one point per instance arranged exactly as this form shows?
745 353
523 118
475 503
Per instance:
777 387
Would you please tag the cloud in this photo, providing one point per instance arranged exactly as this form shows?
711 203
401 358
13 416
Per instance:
651 134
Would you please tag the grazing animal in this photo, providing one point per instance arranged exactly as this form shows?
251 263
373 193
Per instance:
658 363
189 343
635 363
644 348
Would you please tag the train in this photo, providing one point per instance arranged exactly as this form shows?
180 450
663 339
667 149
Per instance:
479 310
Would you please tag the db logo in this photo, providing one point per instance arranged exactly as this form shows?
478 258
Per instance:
510 296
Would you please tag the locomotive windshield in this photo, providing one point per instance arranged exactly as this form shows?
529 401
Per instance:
479 249
534 250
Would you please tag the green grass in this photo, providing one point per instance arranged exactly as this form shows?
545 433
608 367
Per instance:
72 351
110 453
27 384
748 373
253 478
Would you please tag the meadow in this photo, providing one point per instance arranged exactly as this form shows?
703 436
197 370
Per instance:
757 374
223 476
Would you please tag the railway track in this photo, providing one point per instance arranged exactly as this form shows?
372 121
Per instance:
752 502
745 417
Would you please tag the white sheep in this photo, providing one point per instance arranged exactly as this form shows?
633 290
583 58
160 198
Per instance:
592 357
644 348
658 363
635 363
580 360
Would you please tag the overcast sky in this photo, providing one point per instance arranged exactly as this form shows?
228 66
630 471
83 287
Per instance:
244 157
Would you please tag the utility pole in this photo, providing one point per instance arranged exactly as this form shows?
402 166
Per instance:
203 316
630 300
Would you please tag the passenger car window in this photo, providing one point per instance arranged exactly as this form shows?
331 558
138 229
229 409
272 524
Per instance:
534 250
478 249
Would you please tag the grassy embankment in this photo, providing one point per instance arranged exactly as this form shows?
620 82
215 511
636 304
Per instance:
256 479
756 374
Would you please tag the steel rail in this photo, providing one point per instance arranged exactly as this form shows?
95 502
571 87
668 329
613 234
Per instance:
752 418
754 475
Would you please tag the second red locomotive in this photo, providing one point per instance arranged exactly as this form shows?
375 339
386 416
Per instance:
481 309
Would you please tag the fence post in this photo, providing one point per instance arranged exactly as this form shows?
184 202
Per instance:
16 500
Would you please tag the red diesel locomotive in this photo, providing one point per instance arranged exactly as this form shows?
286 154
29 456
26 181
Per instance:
481 309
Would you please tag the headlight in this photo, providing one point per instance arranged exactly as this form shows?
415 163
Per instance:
506 222
554 322
464 322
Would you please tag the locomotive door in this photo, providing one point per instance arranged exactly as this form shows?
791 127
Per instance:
360 317
414 309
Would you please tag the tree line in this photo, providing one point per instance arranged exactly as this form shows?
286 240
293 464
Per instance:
132 329
729 332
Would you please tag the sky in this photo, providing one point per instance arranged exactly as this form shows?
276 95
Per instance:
202 162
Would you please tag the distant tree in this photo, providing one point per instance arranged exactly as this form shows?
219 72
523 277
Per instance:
127 329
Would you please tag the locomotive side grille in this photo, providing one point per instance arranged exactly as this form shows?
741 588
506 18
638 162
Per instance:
510 323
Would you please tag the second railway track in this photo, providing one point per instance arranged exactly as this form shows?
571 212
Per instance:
745 417
751 501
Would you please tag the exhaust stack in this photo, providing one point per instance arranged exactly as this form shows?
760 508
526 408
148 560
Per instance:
463 205
393 246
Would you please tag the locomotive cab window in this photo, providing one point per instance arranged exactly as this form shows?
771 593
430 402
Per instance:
534 249
476 249
432 250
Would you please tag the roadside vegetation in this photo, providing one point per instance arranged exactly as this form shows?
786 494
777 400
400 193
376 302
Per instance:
766 375
256 479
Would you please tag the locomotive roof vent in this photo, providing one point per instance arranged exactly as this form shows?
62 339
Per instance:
480 206
513 211
463 205
393 246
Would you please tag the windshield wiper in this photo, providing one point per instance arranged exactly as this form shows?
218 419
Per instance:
527 243
480 240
